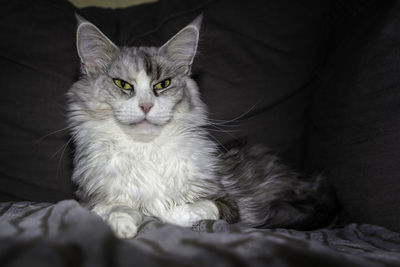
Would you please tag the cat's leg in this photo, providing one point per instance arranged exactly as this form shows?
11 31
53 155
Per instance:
190 213
124 221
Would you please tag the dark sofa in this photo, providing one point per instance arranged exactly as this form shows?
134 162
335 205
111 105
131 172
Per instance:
317 81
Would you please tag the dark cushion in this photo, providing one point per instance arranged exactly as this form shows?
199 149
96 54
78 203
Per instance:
255 63
355 128
37 65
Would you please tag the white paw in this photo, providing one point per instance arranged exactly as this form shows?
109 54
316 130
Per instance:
122 224
189 214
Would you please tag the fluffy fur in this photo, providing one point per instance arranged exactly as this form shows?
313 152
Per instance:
145 151
264 192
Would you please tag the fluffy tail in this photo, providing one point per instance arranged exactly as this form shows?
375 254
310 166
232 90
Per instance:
261 191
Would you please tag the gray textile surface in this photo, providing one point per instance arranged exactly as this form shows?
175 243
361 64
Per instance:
66 234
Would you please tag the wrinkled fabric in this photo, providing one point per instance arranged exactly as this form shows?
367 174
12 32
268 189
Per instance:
66 234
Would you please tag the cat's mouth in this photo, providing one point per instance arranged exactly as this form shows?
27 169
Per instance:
144 130
144 122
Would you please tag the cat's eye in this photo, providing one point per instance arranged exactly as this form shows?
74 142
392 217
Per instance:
122 84
162 85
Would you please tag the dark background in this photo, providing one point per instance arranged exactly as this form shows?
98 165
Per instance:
317 81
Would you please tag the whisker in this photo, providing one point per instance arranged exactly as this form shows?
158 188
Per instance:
51 133
63 147
223 122
61 157
228 133
218 129
190 128
220 145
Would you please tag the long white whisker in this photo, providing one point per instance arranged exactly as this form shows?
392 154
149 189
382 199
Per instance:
62 155
223 122
217 129
218 142
62 148
189 128
51 133
231 135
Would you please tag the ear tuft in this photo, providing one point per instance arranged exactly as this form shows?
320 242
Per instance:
94 48
182 47
79 19
197 21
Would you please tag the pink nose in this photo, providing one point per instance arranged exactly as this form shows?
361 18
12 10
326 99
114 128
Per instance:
146 107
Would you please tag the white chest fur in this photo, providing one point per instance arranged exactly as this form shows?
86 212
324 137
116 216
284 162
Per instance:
151 176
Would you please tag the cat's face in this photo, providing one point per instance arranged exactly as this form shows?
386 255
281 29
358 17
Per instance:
142 88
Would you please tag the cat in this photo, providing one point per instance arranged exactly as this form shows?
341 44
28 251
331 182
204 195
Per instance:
141 147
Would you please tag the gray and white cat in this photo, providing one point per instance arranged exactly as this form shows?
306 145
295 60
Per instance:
141 147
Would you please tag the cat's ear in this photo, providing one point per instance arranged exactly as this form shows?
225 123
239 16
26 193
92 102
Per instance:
182 47
94 48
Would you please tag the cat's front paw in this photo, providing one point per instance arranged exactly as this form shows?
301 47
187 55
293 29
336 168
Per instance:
123 224
189 214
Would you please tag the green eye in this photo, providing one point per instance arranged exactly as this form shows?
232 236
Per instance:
122 84
163 84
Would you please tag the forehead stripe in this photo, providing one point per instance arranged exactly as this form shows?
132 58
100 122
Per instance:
151 67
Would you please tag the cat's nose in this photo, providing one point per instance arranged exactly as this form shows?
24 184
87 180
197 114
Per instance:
146 107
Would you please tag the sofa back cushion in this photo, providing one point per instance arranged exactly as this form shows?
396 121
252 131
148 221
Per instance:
355 116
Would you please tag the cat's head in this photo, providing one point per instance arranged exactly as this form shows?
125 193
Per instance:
143 89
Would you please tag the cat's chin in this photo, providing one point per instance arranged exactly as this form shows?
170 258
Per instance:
143 131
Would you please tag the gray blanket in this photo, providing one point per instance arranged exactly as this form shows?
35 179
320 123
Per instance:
66 234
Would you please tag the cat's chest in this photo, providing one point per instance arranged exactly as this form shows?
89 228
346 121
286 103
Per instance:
149 165
150 176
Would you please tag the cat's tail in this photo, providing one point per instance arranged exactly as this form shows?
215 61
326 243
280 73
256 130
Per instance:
262 192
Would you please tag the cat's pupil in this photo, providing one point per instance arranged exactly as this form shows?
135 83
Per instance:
122 83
